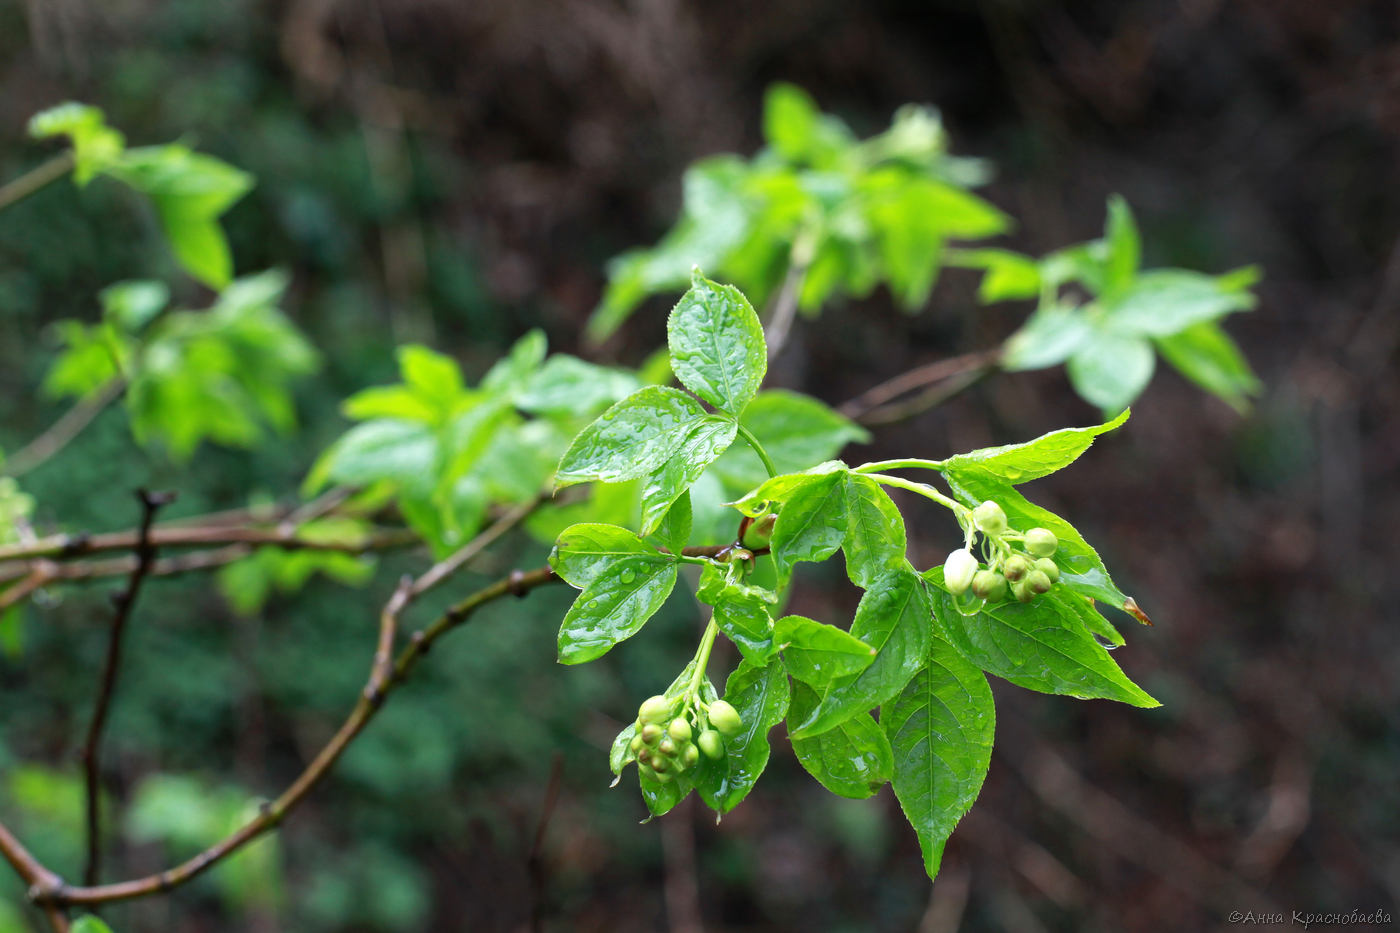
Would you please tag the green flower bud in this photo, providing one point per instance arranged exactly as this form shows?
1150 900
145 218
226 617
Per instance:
679 729
651 733
660 765
725 718
637 744
1038 582
690 756
1048 567
655 709
711 744
959 569
667 746
760 531
1022 592
1016 567
989 518
989 585
1041 542
663 777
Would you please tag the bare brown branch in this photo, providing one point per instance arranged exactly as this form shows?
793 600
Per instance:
124 601
868 405
61 433
49 891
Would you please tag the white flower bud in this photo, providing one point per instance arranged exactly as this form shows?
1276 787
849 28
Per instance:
959 569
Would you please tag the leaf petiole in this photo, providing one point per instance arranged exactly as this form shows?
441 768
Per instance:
907 464
747 435
923 489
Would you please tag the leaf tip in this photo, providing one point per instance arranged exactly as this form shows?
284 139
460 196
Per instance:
1131 607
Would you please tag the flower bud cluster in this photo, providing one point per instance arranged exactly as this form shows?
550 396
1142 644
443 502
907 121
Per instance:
1019 565
670 741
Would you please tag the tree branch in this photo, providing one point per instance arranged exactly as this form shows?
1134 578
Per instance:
864 406
151 503
784 306
48 890
47 572
62 431
927 400
32 181
454 562
174 534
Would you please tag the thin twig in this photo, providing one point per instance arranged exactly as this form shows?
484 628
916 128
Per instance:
37 178
151 503
917 378
455 561
62 431
33 873
48 890
71 546
33 579
784 307
930 398
51 572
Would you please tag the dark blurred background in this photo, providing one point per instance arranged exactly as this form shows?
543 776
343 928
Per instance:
458 172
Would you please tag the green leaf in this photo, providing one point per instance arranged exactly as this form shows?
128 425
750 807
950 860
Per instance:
1110 370
513 371
395 402
1041 645
828 510
811 524
198 243
819 654
875 542
190 191
799 131
567 386
760 694
1081 568
911 216
403 451
773 492
1089 617
1124 247
1009 276
620 755
1204 354
432 377
1021 463
11 631
700 444
632 438
852 760
674 531
1049 337
90 924
624 581
95 144
796 431
895 619
131 305
717 346
742 612
1167 301
717 218
940 730
92 357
